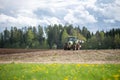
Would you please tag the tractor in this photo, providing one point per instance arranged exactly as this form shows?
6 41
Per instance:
72 43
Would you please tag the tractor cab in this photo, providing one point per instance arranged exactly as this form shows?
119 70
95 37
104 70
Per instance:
72 39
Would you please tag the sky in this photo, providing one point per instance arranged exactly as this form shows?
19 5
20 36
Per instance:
94 14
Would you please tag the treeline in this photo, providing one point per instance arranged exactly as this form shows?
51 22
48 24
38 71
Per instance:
54 36
104 40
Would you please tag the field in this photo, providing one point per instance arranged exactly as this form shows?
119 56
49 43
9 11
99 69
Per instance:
35 64
59 71
59 56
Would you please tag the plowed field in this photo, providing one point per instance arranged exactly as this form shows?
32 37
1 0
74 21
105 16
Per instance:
59 56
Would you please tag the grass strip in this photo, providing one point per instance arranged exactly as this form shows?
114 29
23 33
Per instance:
56 71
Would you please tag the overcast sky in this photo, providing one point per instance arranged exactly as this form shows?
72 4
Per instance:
94 14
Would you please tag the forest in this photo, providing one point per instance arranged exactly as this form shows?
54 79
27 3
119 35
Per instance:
53 37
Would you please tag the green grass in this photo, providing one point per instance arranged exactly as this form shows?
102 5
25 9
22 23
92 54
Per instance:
27 71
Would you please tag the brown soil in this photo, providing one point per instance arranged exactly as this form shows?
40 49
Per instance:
59 56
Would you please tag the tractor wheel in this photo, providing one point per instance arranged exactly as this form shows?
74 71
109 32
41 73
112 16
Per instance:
68 48
77 46
74 47
65 46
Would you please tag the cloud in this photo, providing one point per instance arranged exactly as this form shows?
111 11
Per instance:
5 18
79 17
77 14
70 18
50 20
110 9
109 21
105 1
21 20
44 12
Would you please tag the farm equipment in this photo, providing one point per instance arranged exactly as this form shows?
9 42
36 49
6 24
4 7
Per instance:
72 43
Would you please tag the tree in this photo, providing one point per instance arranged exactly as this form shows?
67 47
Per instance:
30 37
78 34
69 29
117 41
6 38
16 37
11 36
24 30
86 33
40 34
57 29
1 40
108 42
100 39
54 35
35 32
92 43
50 34
64 36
